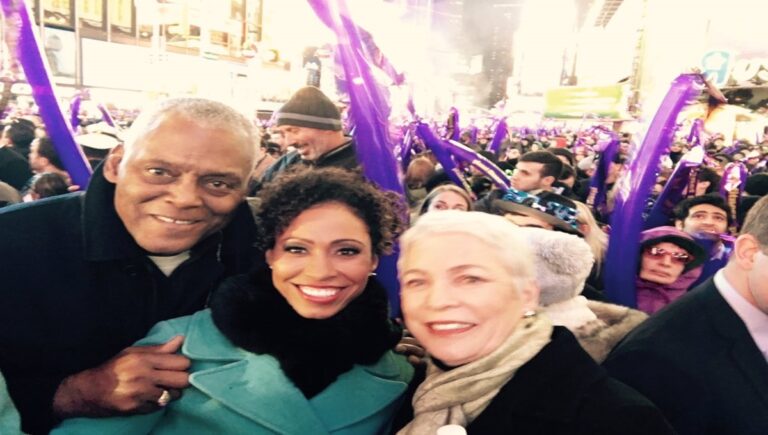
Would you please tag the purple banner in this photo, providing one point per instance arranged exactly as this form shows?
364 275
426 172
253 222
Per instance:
681 184
482 164
439 149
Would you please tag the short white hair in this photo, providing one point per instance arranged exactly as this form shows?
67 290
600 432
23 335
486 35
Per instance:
200 110
502 236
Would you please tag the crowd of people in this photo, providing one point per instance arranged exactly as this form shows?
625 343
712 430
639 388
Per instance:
215 278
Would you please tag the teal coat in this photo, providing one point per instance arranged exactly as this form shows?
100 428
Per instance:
237 392
10 423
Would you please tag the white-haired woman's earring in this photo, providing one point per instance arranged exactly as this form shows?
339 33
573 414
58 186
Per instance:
529 313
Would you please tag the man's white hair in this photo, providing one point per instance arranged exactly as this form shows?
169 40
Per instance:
200 110
503 238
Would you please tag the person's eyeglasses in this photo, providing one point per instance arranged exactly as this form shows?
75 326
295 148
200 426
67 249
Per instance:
677 257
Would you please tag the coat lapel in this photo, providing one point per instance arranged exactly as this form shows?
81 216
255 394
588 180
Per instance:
251 387
360 393
744 352
247 383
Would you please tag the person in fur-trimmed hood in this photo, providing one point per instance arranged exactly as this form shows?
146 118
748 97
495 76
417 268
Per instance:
563 263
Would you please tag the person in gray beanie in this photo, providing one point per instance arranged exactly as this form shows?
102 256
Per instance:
311 123
562 263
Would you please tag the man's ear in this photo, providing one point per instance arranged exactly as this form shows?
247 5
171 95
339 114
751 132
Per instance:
745 249
548 180
112 163
679 224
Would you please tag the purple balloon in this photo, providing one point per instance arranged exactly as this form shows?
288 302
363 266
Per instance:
473 134
106 116
43 92
74 112
369 111
598 188
627 217
694 137
498 136
406 147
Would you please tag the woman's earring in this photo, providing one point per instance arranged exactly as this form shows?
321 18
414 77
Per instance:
372 274
529 313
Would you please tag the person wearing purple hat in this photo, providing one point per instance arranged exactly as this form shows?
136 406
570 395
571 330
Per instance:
670 262
702 359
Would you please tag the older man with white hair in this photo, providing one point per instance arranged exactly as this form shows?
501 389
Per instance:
86 275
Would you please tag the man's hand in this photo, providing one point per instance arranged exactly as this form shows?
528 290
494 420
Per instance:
129 383
410 348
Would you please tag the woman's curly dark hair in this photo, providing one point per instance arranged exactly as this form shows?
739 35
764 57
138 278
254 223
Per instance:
297 190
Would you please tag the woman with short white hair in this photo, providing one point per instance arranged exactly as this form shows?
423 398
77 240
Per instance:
496 366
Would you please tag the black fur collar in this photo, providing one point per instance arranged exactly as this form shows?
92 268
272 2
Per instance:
253 315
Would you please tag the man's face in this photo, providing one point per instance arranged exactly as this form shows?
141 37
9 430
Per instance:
704 218
527 177
310 143
179 184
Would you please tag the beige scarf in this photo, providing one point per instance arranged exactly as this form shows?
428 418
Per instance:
458 396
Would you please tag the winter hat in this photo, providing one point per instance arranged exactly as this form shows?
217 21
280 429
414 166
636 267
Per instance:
562 262
557 210
309 107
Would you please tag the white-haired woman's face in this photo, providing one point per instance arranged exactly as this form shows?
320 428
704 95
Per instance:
458 298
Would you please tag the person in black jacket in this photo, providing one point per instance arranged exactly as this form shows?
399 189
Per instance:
497 365
86 275
14 147
311 123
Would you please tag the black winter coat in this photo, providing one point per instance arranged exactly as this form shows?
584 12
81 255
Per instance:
344 156
562 391
698 362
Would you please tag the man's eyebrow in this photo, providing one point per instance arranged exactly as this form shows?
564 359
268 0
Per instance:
161 162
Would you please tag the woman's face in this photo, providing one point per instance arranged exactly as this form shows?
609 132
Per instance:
660 265
321 262
447 201
460 306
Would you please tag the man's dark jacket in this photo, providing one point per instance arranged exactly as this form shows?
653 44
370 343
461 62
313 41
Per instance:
341 157
77 289
14 168
696 360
